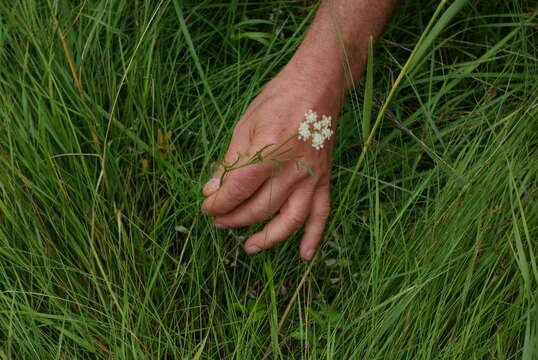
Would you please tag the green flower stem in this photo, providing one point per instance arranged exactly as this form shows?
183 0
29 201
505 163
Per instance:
259 157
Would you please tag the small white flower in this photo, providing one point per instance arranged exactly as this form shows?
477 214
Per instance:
304 131
311 116
319 131
326 120
317 140
326 132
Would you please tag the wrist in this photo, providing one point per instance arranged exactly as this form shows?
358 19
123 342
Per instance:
321 79
330 66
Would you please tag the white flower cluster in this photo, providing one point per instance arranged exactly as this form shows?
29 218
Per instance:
318 130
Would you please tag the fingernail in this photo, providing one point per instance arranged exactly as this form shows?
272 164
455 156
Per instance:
220 226
211 186
309 254
252 250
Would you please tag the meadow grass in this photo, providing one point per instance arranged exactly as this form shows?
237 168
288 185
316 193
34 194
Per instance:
114 113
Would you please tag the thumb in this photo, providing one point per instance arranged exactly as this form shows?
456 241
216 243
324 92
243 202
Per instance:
237 146
211 187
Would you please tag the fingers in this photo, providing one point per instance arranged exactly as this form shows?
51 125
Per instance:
238 185
212 186
291 217
265 202
321 207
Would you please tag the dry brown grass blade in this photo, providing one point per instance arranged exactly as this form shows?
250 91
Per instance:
69 57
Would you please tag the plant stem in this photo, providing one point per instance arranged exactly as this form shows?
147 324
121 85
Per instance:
258 158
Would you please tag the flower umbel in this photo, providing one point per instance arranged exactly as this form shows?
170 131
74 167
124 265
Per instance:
318 130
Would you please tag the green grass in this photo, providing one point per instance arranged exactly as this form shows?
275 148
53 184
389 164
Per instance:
113 113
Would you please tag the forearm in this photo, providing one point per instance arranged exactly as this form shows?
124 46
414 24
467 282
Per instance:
335 50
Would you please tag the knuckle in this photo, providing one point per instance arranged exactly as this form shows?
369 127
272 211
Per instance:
324 210
295 220
301 172
272 241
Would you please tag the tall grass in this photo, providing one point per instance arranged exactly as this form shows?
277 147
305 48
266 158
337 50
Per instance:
113 113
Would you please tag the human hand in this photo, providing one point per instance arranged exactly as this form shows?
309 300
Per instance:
253 193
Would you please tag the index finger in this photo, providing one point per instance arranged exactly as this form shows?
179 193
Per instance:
238 185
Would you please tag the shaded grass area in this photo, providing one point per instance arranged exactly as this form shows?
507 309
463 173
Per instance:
112 115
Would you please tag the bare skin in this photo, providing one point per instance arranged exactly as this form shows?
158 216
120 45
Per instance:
329 60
